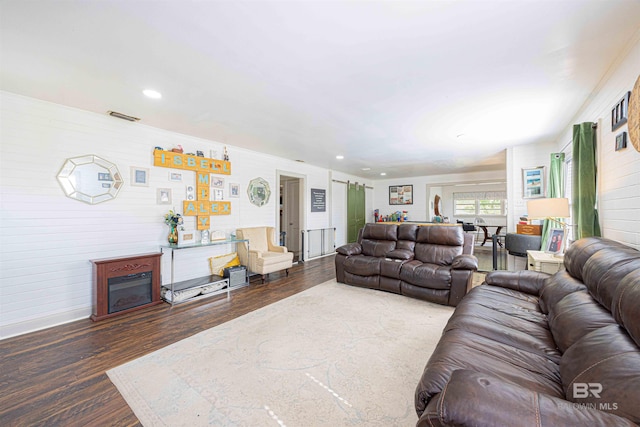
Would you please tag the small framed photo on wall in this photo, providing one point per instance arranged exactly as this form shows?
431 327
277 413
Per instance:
621 141
533 182
217 182
163 196
139 176
234 190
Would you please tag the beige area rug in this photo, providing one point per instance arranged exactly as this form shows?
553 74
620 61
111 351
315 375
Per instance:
333 355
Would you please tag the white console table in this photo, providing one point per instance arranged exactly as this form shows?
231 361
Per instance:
219 284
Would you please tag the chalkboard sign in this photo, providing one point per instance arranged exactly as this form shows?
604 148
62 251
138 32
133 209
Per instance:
318 200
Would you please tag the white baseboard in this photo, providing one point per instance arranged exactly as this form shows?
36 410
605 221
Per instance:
32 325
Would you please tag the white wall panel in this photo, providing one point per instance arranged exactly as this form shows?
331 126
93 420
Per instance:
618 171
48 239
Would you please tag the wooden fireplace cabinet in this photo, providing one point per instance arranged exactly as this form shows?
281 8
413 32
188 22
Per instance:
119 269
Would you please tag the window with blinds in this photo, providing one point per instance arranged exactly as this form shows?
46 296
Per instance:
480 203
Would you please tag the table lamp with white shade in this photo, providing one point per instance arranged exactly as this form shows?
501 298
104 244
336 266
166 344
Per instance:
550 209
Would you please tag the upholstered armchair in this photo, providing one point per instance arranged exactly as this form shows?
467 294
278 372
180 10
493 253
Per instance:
262 255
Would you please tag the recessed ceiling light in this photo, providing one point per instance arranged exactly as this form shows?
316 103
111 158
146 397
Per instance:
383 173
366 169
152 93
339 157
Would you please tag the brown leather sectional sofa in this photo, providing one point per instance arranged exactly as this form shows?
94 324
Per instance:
430 262
529 349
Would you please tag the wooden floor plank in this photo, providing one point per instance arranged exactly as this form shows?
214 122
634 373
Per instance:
57 376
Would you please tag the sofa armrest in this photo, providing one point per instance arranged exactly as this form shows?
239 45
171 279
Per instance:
350 249
526 281
280 249
465 262
475 399
403 254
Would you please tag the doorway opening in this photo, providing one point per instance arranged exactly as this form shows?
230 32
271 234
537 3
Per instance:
291 211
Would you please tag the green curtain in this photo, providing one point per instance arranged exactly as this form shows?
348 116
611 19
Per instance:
555 189
585 214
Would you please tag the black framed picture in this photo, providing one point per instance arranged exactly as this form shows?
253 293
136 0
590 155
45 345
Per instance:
620 112
401 194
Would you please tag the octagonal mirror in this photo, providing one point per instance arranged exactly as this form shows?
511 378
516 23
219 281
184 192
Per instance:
90 179
258 192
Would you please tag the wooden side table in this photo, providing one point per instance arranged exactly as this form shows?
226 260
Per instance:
544 262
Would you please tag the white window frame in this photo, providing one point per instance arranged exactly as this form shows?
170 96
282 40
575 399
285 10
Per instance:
478 197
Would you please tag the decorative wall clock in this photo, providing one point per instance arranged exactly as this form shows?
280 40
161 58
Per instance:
258 192
634 115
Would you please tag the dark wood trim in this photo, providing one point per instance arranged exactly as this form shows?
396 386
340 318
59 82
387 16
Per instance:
57 376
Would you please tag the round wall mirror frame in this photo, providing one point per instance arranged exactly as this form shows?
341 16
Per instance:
90 179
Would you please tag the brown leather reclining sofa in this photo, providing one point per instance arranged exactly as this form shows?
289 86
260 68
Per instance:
529 349
429 262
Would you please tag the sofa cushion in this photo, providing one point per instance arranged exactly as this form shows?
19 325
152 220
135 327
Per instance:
580 251
479 399
407 232
426 275
372 282
602 369
363 265
391 268
576 315
403 254
554 290
626 304
461 349
374 231
439 244
377 248
603 272
506 316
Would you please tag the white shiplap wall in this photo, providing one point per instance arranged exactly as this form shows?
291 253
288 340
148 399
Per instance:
48 239
618 171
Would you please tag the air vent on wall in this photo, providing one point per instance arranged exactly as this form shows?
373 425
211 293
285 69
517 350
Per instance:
122 116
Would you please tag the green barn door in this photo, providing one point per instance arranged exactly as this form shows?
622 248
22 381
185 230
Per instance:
355 211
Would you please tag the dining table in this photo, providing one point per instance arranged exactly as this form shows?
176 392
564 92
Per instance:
487 236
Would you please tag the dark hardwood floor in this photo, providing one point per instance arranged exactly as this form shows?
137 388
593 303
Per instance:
56 377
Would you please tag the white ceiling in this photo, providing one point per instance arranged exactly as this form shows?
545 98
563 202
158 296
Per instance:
388 84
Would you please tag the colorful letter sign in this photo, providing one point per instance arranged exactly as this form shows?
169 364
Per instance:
202 207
